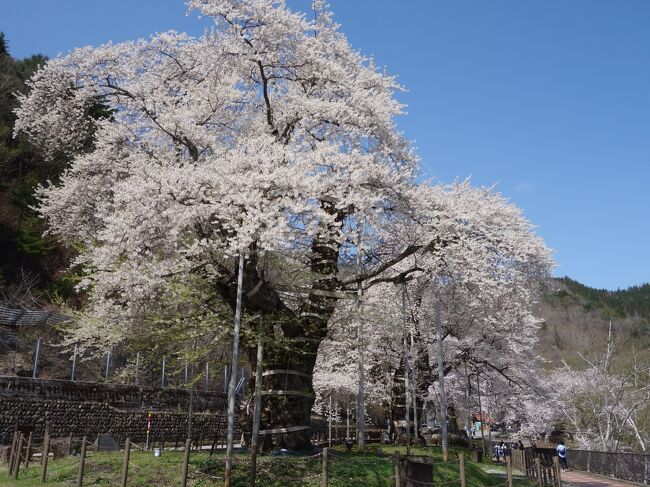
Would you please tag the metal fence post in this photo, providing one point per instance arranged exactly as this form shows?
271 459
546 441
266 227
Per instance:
137 365
162 374
108 364
38 350
74 362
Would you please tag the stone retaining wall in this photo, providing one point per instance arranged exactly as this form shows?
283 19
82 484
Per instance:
83 408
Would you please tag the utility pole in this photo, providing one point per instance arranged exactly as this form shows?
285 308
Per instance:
441 376
233 373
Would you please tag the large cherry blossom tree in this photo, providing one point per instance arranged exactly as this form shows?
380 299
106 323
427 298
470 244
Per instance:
268 135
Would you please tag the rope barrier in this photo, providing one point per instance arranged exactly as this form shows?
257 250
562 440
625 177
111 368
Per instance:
419 482
434 483
449 482
449 462
137 447
359 461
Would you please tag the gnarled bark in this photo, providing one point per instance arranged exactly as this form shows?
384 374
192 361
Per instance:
288 392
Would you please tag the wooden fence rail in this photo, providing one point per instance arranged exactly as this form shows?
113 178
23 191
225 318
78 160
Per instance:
537 464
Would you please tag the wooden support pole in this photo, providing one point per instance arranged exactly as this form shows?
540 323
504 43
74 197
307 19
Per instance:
509 467
461 468
125 464
361 395
186 462
257 411
329 424
558 475
233 374
544 476
17 455
407 387
398 470
441 386
82 463
12 452
538 469
29 448
325 467
480 411
44 457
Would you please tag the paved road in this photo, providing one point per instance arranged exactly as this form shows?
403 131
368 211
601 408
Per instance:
583 479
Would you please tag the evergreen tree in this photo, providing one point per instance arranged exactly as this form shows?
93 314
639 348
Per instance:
24 252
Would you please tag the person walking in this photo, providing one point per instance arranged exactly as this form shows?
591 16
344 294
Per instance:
500 451
561 453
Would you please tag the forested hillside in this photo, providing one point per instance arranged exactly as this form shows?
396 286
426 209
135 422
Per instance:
576 319
30 264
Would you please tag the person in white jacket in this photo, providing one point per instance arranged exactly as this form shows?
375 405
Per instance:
561 453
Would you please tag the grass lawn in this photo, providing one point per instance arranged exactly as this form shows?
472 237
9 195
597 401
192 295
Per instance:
347 469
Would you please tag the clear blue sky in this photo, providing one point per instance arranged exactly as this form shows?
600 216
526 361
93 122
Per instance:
548 99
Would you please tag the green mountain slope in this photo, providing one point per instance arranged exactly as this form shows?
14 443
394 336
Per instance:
576 320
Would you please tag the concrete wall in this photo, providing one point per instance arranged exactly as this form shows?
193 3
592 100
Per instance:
84 408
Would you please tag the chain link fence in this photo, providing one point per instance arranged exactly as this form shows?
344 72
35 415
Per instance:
625 466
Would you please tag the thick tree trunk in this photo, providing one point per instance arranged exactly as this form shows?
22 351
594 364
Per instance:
293 339
452 418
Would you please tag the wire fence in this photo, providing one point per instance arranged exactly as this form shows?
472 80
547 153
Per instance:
633 467
625 466
39 358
